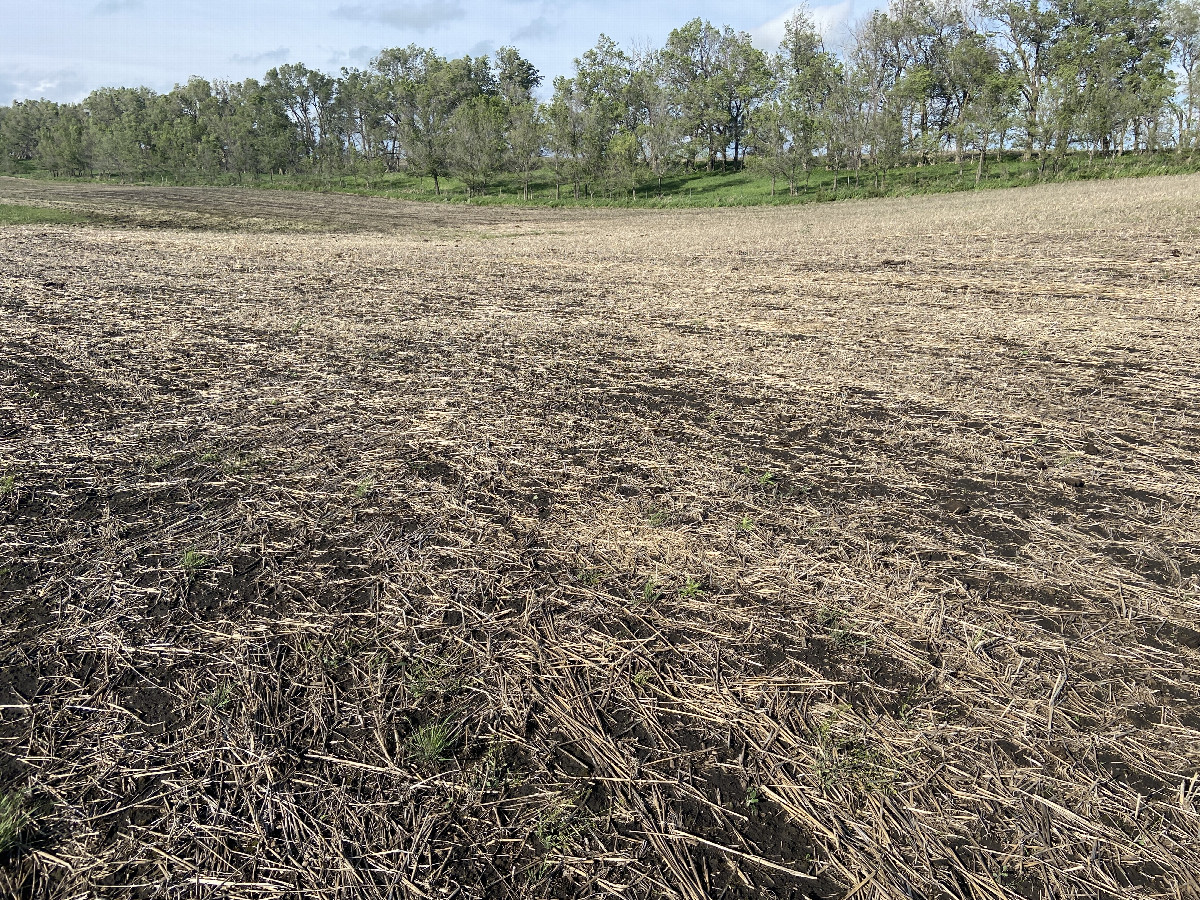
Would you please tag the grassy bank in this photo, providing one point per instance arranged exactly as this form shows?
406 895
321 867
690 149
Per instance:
747 187
14 214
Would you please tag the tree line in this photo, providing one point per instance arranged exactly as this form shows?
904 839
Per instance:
924 80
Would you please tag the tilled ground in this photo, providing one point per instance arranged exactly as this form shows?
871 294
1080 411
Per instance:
835 551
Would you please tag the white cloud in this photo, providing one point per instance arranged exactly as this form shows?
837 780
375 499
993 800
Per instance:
279 55
832 21
534 31
63 85
360 56
407 16
113 7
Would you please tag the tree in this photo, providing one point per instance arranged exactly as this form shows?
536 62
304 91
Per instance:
979 94
20 127
691 61
183 133
253 133
850 112
419 93
309 99
872 109
476 145
516 77
622 161
925 57
654 117
773 150
745 81
119 140
718 77
1025 30
603 76
567 119
7 156
807 75
362 114
1183 27
1110 58
527 133
60 143
989 115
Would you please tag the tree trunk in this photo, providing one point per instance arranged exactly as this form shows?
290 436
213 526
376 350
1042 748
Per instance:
437 187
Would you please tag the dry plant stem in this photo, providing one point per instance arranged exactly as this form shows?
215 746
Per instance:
361 549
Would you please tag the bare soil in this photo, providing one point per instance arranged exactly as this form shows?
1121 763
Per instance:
351 548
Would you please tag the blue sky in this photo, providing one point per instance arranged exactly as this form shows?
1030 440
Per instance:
62 49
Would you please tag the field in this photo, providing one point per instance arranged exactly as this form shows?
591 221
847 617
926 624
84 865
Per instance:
354 548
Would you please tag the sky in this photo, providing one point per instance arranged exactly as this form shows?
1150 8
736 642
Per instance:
63 49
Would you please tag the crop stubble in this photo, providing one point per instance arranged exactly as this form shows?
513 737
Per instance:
833 551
